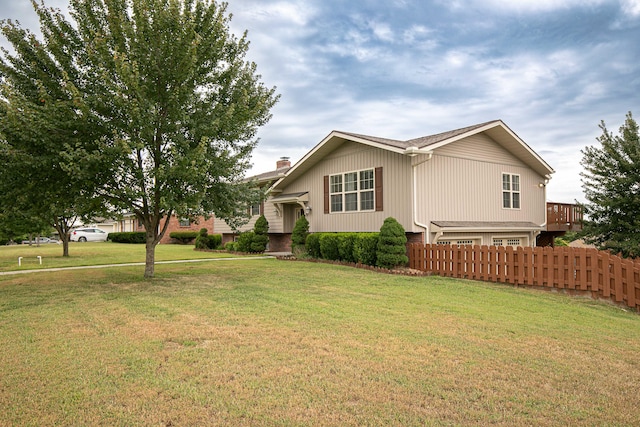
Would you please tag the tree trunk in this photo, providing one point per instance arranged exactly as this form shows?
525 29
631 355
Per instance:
62 227
65 245
149 262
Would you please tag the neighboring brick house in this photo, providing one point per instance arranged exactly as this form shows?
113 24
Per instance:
177 224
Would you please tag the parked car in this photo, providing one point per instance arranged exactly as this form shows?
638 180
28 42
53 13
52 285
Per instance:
88 235
38 240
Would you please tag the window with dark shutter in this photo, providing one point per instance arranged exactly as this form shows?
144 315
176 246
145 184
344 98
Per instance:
378 187
326 194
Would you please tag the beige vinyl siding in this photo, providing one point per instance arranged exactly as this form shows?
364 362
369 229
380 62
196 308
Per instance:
221 227
463 182
350 157
479 147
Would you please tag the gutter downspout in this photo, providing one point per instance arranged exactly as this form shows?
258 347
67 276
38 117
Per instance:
415 194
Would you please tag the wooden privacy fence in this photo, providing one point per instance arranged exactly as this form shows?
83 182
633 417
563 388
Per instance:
576 269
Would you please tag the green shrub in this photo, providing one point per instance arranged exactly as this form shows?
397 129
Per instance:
345 246
260 238
202 241
184 237
365 247
329 246
558 241
300 233
392 250
230 246
244 241
128 237
208 241
312 243
215 241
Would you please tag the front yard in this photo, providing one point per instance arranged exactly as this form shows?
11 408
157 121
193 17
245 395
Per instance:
268 342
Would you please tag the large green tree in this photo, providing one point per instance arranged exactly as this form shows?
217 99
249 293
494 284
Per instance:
39 117
611 183
176 104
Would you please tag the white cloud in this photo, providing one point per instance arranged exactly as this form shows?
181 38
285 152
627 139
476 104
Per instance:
522 6
382 31
631 7
298 13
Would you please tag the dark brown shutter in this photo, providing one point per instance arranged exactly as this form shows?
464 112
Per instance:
262 207
378 185
326 194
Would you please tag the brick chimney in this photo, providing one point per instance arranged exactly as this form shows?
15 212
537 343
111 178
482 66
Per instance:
283 163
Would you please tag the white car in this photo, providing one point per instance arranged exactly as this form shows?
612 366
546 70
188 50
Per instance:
88 235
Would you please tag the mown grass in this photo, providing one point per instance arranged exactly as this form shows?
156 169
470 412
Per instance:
269 342
93 253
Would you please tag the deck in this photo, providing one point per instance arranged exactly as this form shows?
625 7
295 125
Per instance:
564 217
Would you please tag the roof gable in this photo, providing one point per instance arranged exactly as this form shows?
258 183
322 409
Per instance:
496 130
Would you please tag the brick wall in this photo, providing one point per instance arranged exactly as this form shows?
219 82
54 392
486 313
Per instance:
174 225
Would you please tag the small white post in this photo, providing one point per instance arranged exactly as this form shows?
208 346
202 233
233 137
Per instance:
19 261
39 259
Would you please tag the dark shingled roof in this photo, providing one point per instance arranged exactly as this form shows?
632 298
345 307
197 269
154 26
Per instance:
274 174
421 142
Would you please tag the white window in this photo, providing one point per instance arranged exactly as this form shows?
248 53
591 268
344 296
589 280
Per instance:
184 222
459 242
510 191
336 193
507 241
352 191
255 209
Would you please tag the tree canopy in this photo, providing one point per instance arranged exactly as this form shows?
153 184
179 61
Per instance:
163 106
611 183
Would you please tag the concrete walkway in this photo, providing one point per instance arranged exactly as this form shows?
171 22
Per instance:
131 264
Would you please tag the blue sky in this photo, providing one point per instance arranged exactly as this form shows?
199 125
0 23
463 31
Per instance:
550 69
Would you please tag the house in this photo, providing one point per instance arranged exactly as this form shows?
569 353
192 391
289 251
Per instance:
480 184
180 224
128 222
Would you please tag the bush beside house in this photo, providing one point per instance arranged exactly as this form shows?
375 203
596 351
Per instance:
208 241
128 237
255 240
184 237
386 249
392 245
299 234
348 247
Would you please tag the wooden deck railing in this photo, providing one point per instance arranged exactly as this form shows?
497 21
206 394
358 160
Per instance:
564 217
578 269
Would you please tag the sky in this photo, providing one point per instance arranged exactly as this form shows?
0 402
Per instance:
552 70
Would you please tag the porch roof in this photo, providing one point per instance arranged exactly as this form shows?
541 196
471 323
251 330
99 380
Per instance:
292 197
485 226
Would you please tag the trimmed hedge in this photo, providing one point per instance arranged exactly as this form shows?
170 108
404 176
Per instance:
128 237
329 246
365 247
313 245
347 247
243 244
260 238
184 237
392 249
300 233
208 241
255 240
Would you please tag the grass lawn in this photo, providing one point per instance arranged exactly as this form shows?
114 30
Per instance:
269 342
93 253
